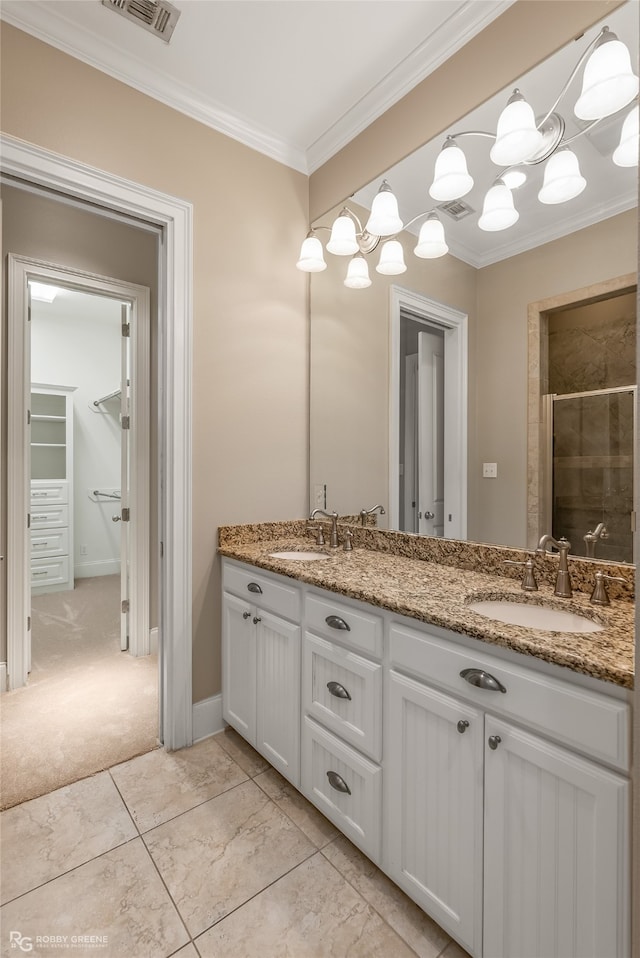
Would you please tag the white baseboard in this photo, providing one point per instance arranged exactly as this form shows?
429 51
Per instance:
87 570
153 640
3 677
207 717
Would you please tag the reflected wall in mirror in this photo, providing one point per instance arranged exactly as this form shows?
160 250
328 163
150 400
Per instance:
351 348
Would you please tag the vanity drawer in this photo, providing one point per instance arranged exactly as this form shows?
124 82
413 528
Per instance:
50 572
49 491
262 591
51 542
344 692
50 516
585 720
344 785
340 622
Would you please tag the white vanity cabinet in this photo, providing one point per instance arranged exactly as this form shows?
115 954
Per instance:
261 665
515 844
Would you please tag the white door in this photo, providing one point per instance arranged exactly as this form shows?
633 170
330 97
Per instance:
430 433
433 805
556 851
125 452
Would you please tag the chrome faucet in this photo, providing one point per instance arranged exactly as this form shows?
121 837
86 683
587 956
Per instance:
333 540
563 582
369 512
600 532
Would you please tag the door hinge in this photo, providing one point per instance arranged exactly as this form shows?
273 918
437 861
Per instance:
125 605
161 549
126 329
125 422
28 520
28 417
29 312
28 623
633 521
126 514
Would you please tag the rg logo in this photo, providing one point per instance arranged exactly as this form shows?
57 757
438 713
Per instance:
20 941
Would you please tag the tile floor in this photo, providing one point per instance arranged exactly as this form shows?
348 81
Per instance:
204 852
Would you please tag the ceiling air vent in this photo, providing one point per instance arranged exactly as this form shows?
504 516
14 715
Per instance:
456 209
157 16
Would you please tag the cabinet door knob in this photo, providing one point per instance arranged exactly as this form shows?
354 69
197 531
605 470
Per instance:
482 680
246 615
462 726
336 781
254 587
116 518
494 741
338 690
256 619
335 622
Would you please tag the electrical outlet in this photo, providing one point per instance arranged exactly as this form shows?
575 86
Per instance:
84 551
489 470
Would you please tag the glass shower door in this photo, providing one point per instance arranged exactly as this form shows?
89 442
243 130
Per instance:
592 472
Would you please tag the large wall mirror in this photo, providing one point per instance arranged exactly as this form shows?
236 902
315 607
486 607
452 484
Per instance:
503 320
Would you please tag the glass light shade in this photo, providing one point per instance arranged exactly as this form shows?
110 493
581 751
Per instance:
514 179
517 137
391 259
498 211
626 152
451 179
384 219
342 241
431 242
358 273
562 178
608 83
311 256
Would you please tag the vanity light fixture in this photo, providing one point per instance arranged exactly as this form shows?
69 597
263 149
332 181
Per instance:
521 140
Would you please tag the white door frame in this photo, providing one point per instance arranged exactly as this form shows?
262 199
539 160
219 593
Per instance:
174 217
21 270
454 325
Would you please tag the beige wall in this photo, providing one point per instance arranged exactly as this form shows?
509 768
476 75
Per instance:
250 336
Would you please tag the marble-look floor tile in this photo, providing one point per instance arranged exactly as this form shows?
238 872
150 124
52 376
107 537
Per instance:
218 855
316 827
312 912
160 785
420 932
48 836
241 752
453 950
189 951
118 897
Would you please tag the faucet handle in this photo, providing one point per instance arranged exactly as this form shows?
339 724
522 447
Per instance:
318 533
600 596
529 583
348 544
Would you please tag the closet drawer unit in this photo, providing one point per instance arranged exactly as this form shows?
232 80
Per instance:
50 572
340 622
49 517
46 491
584 720
50 542
344 785
343 691
262 591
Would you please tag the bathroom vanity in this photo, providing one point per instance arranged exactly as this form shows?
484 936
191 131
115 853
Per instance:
483 766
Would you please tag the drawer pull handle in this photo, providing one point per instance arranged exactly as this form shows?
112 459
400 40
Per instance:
482 680
494 741
40 545
39 573
336 781
335 622
462 726
338 690
246 615
39 495
35 518
254 587
256 619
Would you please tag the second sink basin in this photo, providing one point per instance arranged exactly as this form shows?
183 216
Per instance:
299 556
534 616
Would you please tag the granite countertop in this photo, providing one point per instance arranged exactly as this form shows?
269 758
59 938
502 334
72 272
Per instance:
439 595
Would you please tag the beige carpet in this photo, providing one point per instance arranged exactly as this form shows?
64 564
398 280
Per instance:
87 705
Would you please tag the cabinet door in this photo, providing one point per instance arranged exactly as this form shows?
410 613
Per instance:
278 693
239 666
433 805
556 861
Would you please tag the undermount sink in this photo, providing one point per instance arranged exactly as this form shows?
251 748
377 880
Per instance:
299 556
534 616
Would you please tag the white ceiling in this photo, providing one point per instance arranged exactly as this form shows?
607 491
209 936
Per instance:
295 79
